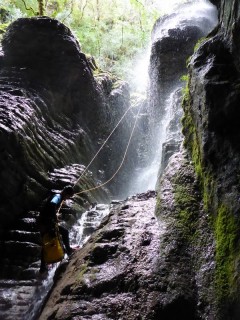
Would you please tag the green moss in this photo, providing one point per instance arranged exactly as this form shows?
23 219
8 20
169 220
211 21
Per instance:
226 230
79 283
81 273
187 206
185 78
191 142
158 206
199 43
93 274
190 134
183 197
185 90
3 27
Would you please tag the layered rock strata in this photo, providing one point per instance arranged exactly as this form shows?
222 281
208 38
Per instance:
53 112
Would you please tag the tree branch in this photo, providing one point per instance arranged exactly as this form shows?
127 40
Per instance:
71 11
30 8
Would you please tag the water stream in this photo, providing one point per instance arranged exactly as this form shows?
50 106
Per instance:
87 224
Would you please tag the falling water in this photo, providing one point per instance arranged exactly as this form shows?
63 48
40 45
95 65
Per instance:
192 14
138 76
85 225
41 292
200 14
146 177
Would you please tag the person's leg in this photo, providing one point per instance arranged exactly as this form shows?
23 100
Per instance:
65 238
43 265
43 231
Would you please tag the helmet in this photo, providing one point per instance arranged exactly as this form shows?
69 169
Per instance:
68 190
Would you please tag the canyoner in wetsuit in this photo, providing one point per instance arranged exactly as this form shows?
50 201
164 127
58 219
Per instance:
48 222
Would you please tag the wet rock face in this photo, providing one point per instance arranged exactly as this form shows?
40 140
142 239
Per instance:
173 132
22 289
47 45
116 103
168 62
168 58
174 37
211 128
188 243
219 78
116 269
230 26
216 3
54 115
123 272
215 99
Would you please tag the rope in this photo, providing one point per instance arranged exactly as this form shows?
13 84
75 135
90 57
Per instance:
103 145
101 185
124 156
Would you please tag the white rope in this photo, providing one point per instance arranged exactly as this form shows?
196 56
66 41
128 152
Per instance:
123 159
103 145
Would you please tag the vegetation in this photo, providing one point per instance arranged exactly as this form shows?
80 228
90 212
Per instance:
112 31
226 231
199 43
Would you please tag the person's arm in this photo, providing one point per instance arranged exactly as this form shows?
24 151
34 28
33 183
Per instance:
55 204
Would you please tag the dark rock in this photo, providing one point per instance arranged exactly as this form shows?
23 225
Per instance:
102 252
111 234
212 137
125 207
170 50
116 286
15 235
174 37
38 108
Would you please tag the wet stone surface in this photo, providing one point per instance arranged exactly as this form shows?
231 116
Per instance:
115 275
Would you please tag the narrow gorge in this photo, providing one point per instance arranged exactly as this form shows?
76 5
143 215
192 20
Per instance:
161 239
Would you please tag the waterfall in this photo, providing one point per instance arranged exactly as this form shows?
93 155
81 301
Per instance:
87 223
163 88
199 13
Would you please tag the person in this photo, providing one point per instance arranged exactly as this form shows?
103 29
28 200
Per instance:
48 221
